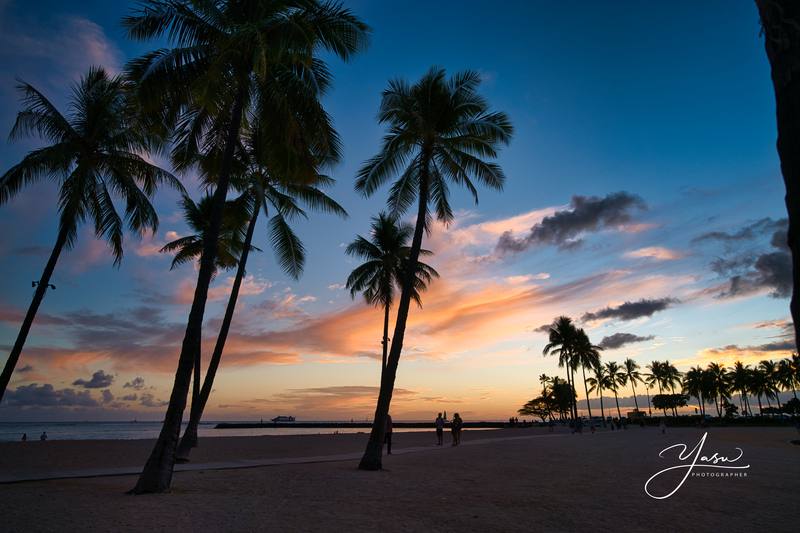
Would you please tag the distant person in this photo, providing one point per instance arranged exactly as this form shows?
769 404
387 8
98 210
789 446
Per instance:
439 424
43 436
388 434
24 437
456 429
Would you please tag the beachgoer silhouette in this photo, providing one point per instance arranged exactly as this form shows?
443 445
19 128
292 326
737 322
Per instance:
388 434
439 424
456 429
24 437
43 436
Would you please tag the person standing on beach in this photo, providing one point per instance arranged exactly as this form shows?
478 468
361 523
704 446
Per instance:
24 437
456 429
388 434
439 424
43 437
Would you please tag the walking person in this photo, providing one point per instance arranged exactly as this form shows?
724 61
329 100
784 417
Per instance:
388 434
43 436
439 424
24 437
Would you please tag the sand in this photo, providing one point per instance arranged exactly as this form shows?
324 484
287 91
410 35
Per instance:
553 482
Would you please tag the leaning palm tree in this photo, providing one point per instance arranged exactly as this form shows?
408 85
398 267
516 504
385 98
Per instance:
586 355
693 386
656 377
769 372
599 382
386 257
616 378
276 180
561 342
786 376
440 131
94 156
780 23
231 62
632 375
740 382
671 378
719 385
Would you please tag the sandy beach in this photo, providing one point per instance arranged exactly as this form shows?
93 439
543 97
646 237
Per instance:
506 480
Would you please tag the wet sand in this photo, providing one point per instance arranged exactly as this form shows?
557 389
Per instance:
553 482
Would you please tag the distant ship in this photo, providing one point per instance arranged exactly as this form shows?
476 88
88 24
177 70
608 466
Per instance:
283 419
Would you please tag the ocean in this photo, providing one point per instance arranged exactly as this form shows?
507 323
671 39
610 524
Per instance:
12 431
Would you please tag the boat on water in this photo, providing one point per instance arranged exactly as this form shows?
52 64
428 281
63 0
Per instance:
283 418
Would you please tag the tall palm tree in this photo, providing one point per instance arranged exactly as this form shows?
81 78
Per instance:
231 62
740 382
599 382
586 355
385 255
656 377
276 181
769 382
93 155
693 386
632 375
671 378
562 341
780 22
616 378
719 385
787 375
440 131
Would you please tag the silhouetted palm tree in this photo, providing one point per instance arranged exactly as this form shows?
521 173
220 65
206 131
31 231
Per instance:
671 378
93 155
632 375
769 371
780 21
787 375
232 61
562 342
386 255
693 385
599 382
616 378
440 131
656 377
718 385
586 355
740 382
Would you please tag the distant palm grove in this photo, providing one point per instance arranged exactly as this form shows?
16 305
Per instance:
233 94
714 385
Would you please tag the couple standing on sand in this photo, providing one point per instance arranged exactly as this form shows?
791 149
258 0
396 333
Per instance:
455 429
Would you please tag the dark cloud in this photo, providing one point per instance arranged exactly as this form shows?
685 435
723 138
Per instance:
22 370
99 380
129 398
747 233
106 396
778 346
585 214
148 400
136 383
34 395
618 340
631 310
750 271
544 328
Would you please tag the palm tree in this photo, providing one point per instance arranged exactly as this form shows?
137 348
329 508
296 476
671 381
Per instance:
277 188
616 377
386 258
740 382
787 375
231 62
718 385
440 131
93 154
599 382
586 355
693 385
562 342
656 377
632 375
671 378
780 22
769 373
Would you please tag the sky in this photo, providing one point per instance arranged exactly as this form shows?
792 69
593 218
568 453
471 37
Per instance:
644 200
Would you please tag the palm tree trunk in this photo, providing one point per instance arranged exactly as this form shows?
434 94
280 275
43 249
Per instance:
635 401
27 322
760 408
586 388
372 458
602 412
662 392
647 391
385 337
780 20
189 439
157 473
616 399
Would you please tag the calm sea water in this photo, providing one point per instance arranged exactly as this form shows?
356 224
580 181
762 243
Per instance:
12 431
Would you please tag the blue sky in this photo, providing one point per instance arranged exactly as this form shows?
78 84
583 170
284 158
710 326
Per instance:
670 103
